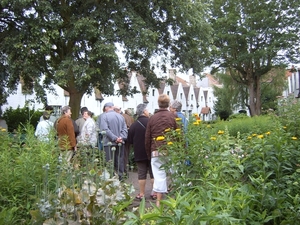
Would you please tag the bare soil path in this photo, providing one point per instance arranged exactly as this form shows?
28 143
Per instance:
133 179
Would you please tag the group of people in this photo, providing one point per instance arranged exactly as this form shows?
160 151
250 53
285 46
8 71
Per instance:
115 132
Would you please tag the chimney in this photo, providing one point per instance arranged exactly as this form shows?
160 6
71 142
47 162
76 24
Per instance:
172 74
192 80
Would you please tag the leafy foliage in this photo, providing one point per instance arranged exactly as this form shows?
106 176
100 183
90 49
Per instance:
219 175
288 112
251 38
74 43
20 117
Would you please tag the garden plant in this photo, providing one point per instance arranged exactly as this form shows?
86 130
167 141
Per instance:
220 174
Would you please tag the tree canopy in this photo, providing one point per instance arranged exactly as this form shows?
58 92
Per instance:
235 95
72 43
251 38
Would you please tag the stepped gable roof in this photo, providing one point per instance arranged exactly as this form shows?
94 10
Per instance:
98 94
141 80
174 90
205 95
161 87
205 110
186 90
197 90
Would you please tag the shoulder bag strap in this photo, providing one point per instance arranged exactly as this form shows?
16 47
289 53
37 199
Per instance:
141 124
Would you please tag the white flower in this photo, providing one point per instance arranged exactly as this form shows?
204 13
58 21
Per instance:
85 196
114 182
105 175
119 195
100 198
89 186
131 189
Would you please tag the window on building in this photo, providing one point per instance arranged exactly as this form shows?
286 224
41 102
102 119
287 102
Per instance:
192 97
168 93
153 92
181 96
201 98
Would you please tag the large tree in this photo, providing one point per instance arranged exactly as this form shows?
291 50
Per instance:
235 95
253 37
72 43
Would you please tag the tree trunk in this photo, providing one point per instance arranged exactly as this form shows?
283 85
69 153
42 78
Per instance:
74 103
254 96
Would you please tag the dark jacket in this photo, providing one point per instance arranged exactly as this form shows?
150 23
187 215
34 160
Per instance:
136 136
158 123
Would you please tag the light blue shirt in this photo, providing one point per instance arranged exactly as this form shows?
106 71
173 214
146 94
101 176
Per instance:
183 120
114 125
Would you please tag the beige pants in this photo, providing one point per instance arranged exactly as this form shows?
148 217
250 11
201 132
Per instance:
160 176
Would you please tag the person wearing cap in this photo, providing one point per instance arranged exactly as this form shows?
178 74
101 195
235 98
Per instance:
158 124
44 128
66 133
136 137
115 129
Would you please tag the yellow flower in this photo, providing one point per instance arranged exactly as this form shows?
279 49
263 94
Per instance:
160 138
284 127
213 138
168 129
294 138
254 135
178 130
221 132
178 119
196 123
208 126
195 114
169 143
268 133
249 138
3 130
260 136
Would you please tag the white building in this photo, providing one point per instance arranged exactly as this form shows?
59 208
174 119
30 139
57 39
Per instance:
195 97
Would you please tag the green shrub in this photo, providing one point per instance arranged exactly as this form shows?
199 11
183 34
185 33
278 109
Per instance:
246 125
45 189
288 113
20 116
